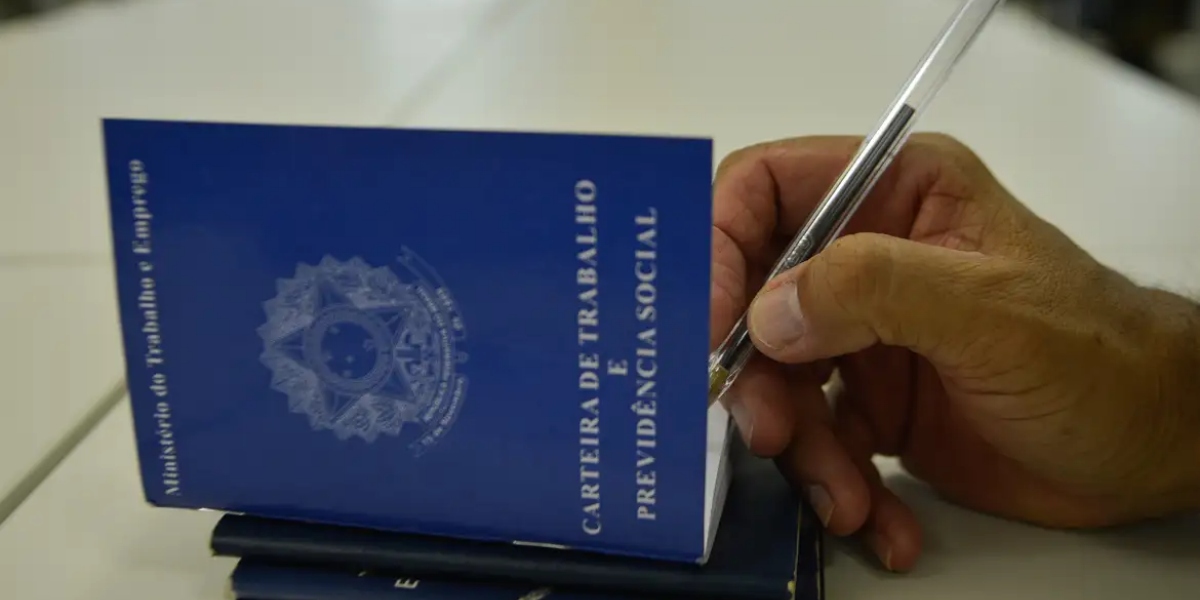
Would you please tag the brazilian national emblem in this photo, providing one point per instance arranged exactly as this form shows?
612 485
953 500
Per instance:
362 351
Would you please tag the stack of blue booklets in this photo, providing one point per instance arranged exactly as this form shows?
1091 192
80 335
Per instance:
439 364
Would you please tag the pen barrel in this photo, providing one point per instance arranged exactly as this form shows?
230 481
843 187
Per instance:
848 192
877 150
873 157
822 227
940 59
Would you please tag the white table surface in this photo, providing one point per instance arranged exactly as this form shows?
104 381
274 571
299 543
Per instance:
1103 152
349 62
59 344
87 533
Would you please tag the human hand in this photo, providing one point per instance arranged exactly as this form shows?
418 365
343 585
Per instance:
1000 362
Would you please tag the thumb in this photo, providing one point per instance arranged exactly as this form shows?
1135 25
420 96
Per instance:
866 289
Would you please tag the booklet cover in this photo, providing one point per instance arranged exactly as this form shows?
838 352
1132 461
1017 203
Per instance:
768 548
484 335
255 580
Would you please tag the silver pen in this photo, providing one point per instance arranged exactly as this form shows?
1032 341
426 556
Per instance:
869 162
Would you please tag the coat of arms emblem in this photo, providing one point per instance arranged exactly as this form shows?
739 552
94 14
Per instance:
364 352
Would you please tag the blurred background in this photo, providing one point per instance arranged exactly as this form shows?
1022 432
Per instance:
1159 37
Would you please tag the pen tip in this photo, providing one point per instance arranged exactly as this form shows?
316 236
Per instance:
716 383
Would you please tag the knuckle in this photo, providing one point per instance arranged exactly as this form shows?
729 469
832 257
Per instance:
754 153
739 157
948 168
728 271
953 153
946 143
729 161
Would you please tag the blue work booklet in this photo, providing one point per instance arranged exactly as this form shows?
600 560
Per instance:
484 335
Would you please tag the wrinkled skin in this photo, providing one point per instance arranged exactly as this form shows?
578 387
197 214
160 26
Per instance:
1000 362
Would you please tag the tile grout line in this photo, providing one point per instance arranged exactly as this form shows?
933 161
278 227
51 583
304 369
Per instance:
61 450
79 259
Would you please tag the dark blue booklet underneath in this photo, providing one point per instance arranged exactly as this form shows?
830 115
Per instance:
768 547
256 580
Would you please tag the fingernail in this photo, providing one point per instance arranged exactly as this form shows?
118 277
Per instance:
821 503
775 317
883 550
744 418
